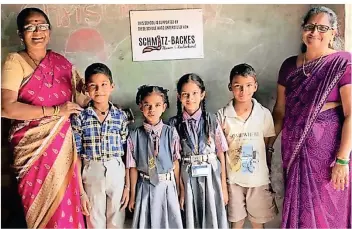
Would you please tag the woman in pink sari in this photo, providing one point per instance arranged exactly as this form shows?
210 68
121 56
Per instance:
37 88
313 109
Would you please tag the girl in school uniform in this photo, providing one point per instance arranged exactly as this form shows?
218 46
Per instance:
203 189
152 156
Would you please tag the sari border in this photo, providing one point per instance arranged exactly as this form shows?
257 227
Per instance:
60 195
52 186
312 119
26 80
300 68
42 148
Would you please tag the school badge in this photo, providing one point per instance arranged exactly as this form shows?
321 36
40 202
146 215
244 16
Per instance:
151 162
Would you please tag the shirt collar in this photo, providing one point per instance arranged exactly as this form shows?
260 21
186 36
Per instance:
155 128
230 112
196 116
112 109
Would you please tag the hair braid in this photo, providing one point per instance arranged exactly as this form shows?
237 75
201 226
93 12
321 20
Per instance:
204 114
179 118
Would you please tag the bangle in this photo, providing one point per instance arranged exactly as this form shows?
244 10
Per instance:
43 109
343 158
342 161
56 110
270 149
126 187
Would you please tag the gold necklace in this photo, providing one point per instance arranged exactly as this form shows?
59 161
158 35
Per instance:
304 63
36 63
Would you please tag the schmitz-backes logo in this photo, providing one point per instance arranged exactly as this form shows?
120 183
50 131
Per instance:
166 42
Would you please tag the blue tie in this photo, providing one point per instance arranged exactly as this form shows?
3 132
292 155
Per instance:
192 123
152 149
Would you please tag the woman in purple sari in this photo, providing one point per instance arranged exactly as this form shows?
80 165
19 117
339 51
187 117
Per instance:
313 109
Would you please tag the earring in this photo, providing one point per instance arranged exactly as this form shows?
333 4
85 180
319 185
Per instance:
331 43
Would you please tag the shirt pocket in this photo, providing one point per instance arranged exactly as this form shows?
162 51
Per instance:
114 138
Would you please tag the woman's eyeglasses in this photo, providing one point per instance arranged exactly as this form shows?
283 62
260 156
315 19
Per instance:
39 27
320 28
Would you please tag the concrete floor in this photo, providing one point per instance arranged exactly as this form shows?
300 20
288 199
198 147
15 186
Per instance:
15 219
12 215
273 224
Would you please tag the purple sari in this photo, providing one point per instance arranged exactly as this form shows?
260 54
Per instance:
310 141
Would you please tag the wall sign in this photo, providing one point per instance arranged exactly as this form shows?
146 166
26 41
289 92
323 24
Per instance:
167 34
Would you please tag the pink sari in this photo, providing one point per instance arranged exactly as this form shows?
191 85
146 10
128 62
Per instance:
44 151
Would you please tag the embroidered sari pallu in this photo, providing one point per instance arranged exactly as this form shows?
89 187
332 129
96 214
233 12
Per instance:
45 157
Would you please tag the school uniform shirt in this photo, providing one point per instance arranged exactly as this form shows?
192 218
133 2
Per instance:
220 140
100 141
156 129
246 158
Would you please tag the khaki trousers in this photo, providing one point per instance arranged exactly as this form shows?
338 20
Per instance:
104 185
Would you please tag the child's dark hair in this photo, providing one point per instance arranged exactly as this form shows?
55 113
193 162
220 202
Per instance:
191 77
244 70
97 68
145 90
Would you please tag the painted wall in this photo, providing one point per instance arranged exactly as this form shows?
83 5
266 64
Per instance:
261 35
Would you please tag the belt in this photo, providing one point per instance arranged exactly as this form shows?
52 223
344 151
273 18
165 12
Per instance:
101 159
199 158
162 177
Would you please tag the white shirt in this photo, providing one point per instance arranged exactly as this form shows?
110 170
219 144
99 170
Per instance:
246 157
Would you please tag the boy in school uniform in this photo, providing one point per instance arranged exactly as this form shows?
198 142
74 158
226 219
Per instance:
247 126
100 132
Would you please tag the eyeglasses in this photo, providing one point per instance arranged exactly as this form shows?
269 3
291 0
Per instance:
39 27
320 28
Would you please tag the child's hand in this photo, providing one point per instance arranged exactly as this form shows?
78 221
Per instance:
225 195
182 198
131 204
85 205
224 127
125 198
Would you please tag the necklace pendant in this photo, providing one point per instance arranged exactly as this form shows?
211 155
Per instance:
97 111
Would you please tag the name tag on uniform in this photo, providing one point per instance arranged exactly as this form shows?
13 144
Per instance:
202 170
